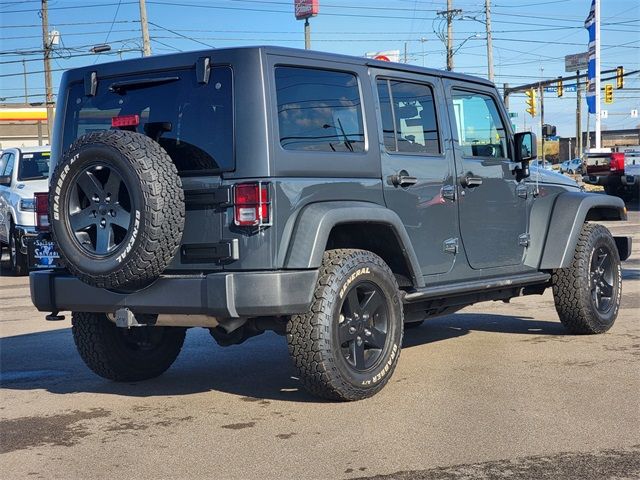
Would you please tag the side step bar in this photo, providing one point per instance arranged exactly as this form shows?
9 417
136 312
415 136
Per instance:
476 286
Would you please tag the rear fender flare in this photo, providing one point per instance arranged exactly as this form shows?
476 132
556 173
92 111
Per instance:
314 224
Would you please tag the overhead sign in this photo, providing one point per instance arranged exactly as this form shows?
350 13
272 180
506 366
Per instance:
385 55
306 8
554 88
575 62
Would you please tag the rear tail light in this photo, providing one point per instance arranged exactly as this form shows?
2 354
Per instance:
125 121
617 162
42 211
252 204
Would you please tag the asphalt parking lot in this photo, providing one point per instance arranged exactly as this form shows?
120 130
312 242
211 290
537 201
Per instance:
494 391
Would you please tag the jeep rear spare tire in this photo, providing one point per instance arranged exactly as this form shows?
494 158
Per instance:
116 209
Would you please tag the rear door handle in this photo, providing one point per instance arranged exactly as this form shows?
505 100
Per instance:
402 179
470 182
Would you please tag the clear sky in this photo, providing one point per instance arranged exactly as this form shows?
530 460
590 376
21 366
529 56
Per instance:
531 39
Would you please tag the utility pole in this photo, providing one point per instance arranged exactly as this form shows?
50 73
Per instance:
506 95
578 117
307 34
405 53
26 90
46 45
144 25
489 41
450 13
541 92
449 35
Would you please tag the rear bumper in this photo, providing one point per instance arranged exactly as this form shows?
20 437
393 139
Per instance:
600 179
630 180
223 295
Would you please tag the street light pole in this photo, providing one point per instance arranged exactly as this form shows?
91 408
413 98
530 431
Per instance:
307 34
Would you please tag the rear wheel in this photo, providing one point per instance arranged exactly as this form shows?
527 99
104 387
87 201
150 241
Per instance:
587 293
18 260
122 354
347 346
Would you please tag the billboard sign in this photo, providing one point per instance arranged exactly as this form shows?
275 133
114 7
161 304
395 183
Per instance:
575 62
306 8
385 55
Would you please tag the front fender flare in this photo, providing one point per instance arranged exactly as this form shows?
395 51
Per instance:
315 222
564 219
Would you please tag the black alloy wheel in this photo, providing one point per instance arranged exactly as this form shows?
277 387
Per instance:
100 209
602 279
363 326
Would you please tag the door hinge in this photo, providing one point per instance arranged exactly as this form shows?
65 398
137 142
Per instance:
522 190
523 239
449 192
450 245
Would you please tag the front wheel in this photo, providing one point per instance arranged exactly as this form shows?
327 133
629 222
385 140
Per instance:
587 293
347 346
121 354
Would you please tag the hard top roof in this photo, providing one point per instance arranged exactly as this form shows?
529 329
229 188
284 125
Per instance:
173 60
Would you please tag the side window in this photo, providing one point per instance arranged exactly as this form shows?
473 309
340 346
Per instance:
8 168
319 110
3 163
481 132
409 120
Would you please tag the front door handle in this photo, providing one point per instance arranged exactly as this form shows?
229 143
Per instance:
470 182
402 179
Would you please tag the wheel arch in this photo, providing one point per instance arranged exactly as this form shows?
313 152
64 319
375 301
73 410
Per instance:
352 225
556 223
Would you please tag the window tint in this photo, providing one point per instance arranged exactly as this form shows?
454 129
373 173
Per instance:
34 166
481 132
319 110
8 166
3 162
408 117
193 122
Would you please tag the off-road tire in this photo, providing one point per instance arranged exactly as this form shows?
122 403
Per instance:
111 352
313 337
17 260
156 196
572 286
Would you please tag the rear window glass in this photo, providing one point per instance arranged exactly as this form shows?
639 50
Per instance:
319 110
193 122
34 166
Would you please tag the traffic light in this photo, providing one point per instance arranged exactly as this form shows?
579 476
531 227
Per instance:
531 101
560 87
608 93
619 77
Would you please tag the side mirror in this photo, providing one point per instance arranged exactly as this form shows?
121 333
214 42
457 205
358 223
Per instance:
526 146
5 180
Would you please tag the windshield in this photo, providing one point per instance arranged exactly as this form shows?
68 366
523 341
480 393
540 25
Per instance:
34 166
192 121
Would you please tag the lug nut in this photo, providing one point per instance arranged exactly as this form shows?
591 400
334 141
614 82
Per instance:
359 341
367 332
352 330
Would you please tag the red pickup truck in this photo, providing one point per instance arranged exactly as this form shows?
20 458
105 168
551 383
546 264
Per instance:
608 170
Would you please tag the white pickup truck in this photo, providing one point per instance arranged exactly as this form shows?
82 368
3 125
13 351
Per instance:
23 172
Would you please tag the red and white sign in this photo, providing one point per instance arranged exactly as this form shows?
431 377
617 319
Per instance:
306 8
385 56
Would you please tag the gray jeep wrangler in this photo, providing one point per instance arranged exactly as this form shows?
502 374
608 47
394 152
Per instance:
332 199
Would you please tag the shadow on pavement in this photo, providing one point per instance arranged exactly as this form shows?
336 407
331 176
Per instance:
259 368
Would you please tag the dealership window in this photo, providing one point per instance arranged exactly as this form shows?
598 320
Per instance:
319 110
409 122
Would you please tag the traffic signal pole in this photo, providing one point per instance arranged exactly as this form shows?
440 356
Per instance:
542 120
578 117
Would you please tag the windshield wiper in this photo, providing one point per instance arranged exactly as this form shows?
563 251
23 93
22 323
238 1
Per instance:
121 87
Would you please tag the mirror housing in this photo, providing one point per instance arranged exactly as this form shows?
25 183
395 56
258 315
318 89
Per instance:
526 146
5 180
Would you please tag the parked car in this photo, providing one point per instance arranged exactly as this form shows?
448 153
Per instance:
631 178
23 171
608 170
546 165
571 166
312 194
